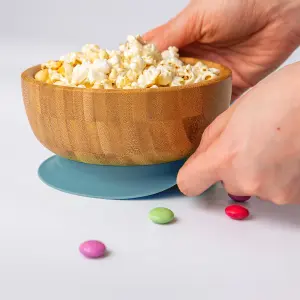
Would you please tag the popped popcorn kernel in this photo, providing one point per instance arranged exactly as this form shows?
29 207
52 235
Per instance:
42 75
51 64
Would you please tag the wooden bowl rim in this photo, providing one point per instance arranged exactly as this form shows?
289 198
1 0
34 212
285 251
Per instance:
225 73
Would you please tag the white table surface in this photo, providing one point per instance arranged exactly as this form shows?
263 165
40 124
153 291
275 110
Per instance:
204 255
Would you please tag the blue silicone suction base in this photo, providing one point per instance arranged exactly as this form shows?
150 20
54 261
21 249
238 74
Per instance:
108 182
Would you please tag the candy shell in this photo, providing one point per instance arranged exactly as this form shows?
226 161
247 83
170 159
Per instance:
239 198
236 212
92 249
161 215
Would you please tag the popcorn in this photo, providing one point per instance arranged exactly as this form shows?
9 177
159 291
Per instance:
165 77
94 74
122 47
172 61
208 76
114 60
113 75
107 84
80 73
103 54
148 78
131 39
150 51
42 75
214 70
103 84
135 85
200 68
92 56
73 58
149 60
102 65
60 83
132 75
135 65
55 76
113 53
67 71
51 64
91 52
132 48
190 79
177 81
186 73
171 52
122 81
90 48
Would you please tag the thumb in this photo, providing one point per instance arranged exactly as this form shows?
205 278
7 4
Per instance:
179 31
200 171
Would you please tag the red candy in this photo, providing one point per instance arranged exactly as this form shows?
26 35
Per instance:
236 212
239 198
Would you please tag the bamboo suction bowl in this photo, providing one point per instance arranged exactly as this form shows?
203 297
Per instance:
124 127
120 144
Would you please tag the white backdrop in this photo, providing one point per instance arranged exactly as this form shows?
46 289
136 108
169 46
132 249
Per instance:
204 255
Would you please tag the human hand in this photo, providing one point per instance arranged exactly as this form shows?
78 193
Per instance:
251 37
254 146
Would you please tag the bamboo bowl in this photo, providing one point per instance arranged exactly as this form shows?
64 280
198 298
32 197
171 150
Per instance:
124 127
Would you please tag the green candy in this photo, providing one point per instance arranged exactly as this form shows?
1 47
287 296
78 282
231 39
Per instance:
161 215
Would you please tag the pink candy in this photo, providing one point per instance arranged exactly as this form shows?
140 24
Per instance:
92 249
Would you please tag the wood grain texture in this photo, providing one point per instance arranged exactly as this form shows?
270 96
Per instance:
124 127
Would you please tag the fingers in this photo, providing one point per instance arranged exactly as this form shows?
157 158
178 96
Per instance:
200 171
178 32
